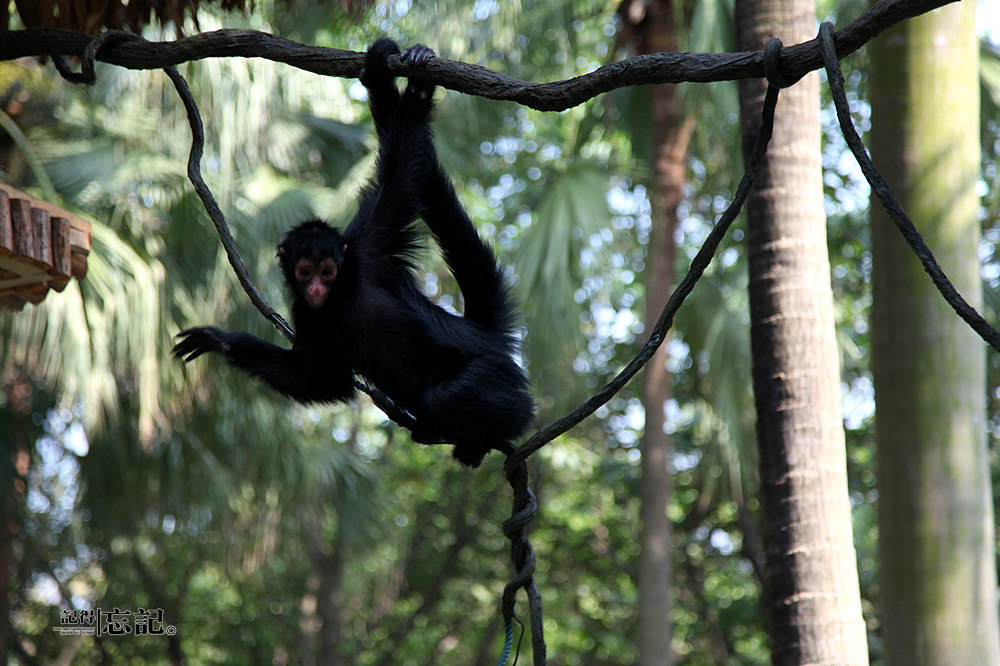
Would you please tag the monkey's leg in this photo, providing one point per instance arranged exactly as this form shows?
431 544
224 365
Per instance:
480 407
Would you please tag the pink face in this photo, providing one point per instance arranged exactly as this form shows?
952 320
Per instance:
315 281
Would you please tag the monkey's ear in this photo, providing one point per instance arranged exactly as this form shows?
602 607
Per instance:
343 250
282 251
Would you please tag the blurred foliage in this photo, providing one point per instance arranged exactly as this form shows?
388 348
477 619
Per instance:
284 534
94 16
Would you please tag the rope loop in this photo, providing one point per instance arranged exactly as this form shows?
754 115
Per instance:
86 75
772 65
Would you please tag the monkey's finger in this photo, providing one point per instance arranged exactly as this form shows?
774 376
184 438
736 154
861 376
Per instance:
178 348
417 54
190 352
192 347
186 340
182 349
195 354
195 330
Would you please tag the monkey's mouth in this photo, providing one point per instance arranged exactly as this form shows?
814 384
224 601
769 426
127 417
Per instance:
315 300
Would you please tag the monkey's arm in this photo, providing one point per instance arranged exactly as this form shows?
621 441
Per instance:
284 370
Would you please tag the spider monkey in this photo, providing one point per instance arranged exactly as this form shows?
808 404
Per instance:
357 308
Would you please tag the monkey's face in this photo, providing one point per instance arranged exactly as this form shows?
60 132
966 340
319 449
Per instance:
314 280
311 255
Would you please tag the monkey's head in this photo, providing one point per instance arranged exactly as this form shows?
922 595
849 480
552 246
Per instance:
311 255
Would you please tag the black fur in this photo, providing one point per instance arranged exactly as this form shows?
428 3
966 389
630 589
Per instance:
455 375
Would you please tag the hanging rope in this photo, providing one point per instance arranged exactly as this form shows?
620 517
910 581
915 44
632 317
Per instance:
888 200
525 504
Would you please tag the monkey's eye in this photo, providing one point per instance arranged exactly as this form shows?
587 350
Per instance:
303 271
328 269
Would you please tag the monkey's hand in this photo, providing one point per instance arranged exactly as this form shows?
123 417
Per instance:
418 55
376 70
196 341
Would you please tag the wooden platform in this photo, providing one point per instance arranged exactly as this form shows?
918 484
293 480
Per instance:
42 247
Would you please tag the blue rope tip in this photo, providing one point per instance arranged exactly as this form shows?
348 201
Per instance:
508 641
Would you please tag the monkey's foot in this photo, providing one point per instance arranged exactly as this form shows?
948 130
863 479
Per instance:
418 55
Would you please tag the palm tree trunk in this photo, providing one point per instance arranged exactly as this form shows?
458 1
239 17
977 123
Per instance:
654 25
936 534
811 590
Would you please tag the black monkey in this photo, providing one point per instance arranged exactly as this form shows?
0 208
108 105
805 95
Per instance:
357 308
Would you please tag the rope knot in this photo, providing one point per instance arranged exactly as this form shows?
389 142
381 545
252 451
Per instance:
772 66
86 74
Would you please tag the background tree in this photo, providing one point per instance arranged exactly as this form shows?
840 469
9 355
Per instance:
811 587
936 521
655 26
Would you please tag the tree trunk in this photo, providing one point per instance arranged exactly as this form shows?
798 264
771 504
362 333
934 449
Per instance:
656 29
16 446
331 605
938 581
812 600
